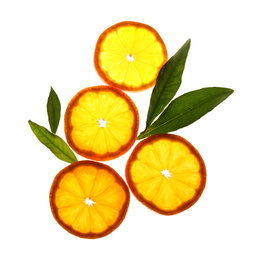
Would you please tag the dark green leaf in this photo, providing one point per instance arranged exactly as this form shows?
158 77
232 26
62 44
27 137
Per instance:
53 142
186 109
53 110
168 81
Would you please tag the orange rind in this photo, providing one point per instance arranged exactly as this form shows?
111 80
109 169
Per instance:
166 173
129 56
89 199
101 123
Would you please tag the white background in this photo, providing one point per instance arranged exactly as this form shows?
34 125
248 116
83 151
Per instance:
51 43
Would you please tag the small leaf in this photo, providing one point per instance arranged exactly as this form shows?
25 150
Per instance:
53 142
168 81
186 109
53 110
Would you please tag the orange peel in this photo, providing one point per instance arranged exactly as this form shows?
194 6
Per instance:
166 173
89 199
129 56
101 123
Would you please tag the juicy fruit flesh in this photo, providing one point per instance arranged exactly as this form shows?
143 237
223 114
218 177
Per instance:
102 122
131 55
89 199
166 173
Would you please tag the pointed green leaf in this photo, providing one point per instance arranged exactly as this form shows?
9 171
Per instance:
53 142
186 109
53 110
168 81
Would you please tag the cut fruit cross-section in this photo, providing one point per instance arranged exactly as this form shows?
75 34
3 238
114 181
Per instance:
101 123
129 55
89 199
166 173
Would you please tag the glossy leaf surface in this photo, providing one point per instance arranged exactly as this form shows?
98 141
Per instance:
53 142
168 81
187 109
53 110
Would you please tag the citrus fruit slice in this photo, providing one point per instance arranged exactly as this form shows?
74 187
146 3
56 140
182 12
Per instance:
129 55
166 173
89 199
101 123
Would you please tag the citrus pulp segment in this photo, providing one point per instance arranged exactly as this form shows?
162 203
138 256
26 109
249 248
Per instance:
89 199
129 55
166 173
101 123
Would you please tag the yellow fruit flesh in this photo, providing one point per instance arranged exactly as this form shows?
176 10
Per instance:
166 173
87 117
89 199
131 55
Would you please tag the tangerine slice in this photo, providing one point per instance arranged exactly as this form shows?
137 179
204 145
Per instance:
89 199
129 55
101 123
166 173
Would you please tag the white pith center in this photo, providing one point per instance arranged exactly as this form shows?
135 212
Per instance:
102 122
166 173
89 202
130 57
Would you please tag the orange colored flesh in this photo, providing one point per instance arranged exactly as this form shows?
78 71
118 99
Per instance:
84 180
185 182
82 129
149 62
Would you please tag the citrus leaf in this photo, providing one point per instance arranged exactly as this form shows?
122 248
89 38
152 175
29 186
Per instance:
53 142
168 81
186 109
53 110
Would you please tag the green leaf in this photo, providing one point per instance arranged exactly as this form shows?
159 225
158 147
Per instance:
53 110
53 142
186 109
168 81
